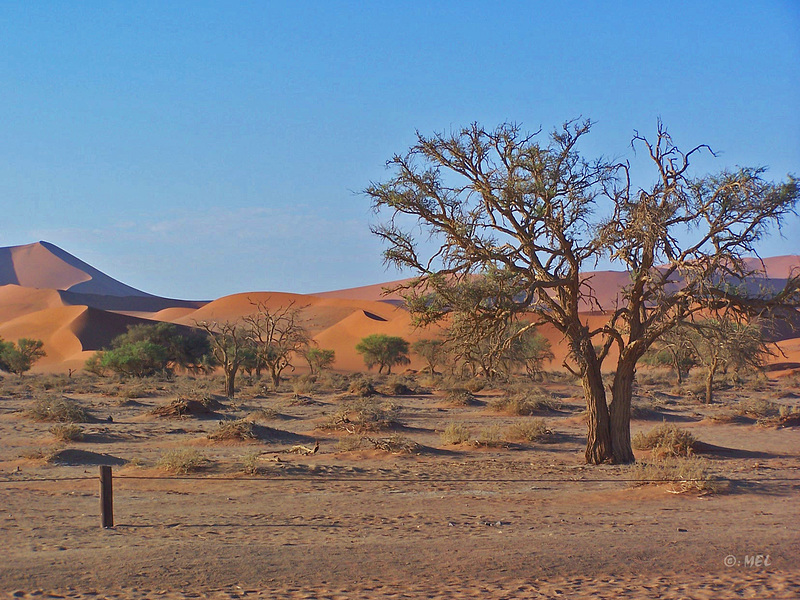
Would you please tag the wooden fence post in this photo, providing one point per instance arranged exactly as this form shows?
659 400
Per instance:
106 497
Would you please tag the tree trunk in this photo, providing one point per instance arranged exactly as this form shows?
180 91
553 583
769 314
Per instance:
712 368
276 378
598 438
620 409
230 378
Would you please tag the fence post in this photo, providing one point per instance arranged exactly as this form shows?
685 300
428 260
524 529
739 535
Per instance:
106 497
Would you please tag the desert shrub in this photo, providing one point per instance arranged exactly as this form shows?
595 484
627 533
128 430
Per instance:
328 381
187 405
758 408
233 430
250 464
533 430
348 443
67 432
394 444
525 403
58 408
399 385
362 415
455 433
264 414
459 397
361 386
680 475
474 385
303 384
665 440
489 437
182 462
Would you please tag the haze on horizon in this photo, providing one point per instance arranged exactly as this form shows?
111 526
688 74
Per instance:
195 150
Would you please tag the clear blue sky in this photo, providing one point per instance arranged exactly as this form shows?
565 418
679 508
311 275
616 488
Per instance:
195 149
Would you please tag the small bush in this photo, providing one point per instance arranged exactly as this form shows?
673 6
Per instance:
361 386
680 475
474 385
489 437
758 408
534 430
250 464
455 433
525 403
348 443
665 440
362 415
187 405
234 430
303 384
182 462
394 444
67 432
264 414
459 397
59 409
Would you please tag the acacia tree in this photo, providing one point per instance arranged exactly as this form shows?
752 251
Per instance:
319 359
229 344
725 343
432 350
277 334
19 358
384 351
497 201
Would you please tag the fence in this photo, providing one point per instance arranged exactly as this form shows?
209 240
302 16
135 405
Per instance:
107 486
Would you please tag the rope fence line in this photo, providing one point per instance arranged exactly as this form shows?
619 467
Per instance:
107 493
339 478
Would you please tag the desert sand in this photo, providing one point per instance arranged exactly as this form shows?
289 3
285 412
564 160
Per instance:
510 519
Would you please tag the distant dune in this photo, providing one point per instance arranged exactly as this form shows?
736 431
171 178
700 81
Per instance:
48 294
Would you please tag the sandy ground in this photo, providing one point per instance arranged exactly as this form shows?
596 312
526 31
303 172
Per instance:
516 521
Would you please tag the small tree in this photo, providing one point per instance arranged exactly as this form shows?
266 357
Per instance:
384 351
432 350
674 350
184 347
19 358
725 343
136 359
319 359
229 342
277 335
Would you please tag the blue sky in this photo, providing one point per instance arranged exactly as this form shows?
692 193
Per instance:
196 149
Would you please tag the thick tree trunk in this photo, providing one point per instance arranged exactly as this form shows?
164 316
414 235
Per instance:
276 379
620 409
230 378
598 438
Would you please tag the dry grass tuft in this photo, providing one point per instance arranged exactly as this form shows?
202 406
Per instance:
666 440
67 432
534 430
362 415
680 475
525 403
459 397
58 409
182 462
455 433
234 430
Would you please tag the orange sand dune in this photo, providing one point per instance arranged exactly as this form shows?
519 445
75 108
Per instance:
319 313
344 335
16 301
367 292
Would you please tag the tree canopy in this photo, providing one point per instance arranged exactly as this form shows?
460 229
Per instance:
532 216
